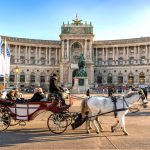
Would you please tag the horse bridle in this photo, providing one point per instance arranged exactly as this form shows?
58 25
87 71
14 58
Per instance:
140 92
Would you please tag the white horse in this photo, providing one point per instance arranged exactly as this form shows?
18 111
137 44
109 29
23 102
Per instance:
95 105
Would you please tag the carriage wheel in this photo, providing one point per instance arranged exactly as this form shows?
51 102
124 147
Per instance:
57 123
4 120
69 119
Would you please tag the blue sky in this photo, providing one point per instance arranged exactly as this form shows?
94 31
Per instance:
42 19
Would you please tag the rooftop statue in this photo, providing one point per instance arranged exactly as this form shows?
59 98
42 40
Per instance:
77 21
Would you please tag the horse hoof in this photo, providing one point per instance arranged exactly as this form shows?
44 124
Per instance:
125 133
102 130
88 132
97 132
112 129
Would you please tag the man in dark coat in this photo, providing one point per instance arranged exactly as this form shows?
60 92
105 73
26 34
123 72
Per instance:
55 89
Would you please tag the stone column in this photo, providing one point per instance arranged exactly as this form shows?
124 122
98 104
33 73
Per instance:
90 49
68 49
39 56
124 55
70 74
96 56
49 56
46 56
146 52
26 55
138 57
148 47
103 55
19 54
92 74
113 53
127 56
16 53
85 48
135 54
117 52
29 52
36 56
56 57
106 58
62 50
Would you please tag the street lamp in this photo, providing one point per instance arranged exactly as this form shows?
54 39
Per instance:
17 71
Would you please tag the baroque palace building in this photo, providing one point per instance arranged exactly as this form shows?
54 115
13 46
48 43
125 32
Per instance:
117 62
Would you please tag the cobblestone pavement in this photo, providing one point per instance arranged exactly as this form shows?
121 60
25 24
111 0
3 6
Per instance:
35 135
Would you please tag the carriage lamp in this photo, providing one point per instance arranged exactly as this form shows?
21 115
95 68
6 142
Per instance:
17 71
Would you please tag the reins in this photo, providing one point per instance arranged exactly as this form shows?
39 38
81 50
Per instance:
78 97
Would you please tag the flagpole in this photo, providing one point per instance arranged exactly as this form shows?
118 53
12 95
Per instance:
5 72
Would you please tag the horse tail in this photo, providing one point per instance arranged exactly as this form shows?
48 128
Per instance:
84 107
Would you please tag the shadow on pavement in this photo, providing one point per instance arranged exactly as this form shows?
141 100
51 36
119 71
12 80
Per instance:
14 137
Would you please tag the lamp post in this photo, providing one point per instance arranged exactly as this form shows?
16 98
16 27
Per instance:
17 71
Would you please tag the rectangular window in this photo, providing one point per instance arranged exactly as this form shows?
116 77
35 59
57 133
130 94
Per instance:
22 78
12 78
42 78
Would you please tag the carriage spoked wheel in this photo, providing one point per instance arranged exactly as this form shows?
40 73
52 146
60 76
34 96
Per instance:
69 118
57 123
4 120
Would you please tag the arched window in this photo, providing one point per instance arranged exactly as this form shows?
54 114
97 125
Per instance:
32 77
22 77
42 77
142 78
12 77
99 78
130 78
109 78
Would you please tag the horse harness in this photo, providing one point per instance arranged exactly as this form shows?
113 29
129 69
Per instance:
114 100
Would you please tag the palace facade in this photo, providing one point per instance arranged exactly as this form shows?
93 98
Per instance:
117 62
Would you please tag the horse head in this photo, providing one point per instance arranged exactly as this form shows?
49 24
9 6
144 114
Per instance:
142 96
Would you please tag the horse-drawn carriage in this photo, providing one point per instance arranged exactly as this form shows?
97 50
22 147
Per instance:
12 113
61 118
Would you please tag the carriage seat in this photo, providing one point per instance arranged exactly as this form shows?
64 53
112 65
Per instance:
7 102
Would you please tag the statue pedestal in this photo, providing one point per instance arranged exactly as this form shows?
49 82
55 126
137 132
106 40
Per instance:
80 85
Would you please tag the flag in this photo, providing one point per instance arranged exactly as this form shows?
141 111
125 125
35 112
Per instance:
7 58
2 61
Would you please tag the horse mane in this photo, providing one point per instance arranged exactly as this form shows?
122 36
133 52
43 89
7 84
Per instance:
128 95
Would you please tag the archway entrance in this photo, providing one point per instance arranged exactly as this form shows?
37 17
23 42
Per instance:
130 78
142 78
73 75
